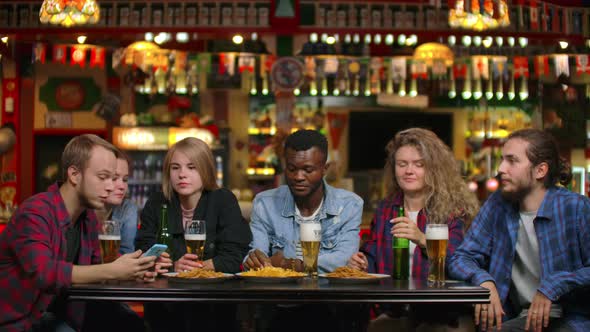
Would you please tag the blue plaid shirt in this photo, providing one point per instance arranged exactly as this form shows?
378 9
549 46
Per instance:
563 232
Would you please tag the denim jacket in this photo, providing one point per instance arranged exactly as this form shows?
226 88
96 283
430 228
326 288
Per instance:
127 215
274 227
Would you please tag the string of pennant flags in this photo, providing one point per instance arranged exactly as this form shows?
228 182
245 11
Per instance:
349 76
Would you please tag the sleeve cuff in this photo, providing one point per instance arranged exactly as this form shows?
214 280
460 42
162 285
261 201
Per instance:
481 277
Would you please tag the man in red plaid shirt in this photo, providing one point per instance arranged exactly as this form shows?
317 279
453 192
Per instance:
52 242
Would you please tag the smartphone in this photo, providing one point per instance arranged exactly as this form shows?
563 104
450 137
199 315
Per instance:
155 250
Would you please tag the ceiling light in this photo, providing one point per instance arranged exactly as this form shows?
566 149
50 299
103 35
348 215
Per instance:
389 39
182 37
563 44
81 39
237 39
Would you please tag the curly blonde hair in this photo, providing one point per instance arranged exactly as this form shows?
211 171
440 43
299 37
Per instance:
447 194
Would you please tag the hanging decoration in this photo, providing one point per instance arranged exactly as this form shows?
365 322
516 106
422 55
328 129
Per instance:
336 122
521 66
39 52
582 65
542 65
69 12
97 57
479 15
59 54
562 65
78 55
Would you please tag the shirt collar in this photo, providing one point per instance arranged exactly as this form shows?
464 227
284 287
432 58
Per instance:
329 207
60 206
546 209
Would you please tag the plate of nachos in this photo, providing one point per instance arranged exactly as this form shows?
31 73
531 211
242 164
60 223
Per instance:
347 275
198 276
271 274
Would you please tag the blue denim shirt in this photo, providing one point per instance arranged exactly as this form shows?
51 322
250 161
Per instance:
274 227
127 215
563 231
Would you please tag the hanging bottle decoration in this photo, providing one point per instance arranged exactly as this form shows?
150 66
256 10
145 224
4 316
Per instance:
452 85
480 71
467 92
389 78
402 88
500 88
246 67
311 75
512 88
354 69
330 69
419 70
339 79
523 92
367 89
376 73
499 71
267 61
490 90
347 81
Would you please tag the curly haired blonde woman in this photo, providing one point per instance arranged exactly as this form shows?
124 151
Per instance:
422 176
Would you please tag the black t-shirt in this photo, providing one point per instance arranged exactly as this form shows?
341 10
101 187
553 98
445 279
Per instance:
73 234
73 242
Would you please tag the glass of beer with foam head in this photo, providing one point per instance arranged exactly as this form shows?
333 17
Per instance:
195 235
437 239
311 237
110 240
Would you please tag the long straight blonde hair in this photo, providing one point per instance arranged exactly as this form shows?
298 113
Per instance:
200 155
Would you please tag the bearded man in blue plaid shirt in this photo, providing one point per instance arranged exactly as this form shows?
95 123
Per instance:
530 243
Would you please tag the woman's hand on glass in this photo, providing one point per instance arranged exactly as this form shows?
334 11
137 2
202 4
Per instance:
187 262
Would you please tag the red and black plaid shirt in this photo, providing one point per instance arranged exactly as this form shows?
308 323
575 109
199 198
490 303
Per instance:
378 248
33 267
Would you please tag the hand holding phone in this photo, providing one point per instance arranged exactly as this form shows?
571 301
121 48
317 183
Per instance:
155 250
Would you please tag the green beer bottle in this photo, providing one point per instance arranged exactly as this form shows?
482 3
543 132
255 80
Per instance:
401 255
164 236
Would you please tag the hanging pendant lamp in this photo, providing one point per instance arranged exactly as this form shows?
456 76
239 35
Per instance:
69 12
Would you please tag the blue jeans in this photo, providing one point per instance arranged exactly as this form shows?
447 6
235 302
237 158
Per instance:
51 323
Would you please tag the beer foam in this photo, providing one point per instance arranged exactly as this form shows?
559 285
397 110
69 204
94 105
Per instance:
195 237
109 237
437 233
310 232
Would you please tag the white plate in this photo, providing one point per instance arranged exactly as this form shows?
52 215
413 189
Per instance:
273 280
377 277
173 277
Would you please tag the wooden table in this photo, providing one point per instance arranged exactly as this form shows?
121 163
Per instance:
303 291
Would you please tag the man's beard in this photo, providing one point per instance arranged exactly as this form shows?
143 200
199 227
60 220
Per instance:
517 196
85 202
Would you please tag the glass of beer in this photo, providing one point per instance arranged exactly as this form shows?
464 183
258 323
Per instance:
311 237
110 240
195 235
437 238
